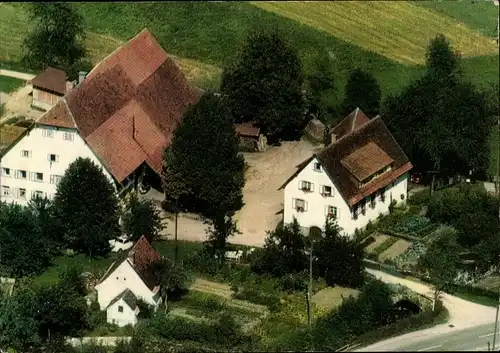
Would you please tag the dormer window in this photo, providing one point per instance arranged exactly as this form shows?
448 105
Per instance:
317 167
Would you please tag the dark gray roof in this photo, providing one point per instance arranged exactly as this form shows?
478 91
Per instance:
128 297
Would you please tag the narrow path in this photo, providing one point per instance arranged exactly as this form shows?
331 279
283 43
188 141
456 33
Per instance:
462 313
16 74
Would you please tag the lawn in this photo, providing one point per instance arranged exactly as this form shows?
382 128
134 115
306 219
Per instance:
186 248
10 84
60 263
398 30
332 297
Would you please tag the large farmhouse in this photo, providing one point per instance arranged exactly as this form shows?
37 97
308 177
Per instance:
361 170
121 116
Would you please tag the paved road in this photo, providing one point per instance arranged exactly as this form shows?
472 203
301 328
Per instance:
437 340
469 327
16 74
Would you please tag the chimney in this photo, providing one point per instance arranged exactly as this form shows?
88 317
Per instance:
81 76
333 138
327 137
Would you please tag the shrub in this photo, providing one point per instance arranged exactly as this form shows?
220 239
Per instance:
420 198
389 262
146 310
392 206
294 282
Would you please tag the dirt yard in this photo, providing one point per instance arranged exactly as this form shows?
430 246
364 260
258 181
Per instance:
379 239
263 202
18 104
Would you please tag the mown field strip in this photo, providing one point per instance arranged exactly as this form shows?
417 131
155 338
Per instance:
398 30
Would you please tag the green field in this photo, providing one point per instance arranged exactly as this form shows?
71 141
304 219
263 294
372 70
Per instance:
397 30
205 36
9 84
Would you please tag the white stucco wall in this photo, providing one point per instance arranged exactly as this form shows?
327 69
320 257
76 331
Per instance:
114 316
317 204
123 277
41 142
316 208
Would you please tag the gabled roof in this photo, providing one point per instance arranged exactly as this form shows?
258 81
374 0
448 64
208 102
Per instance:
350 123
59 116
372 133
142 256
128 297
51 79
128 106
8 135
366 161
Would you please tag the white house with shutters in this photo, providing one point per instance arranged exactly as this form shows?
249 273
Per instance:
354 178
34 164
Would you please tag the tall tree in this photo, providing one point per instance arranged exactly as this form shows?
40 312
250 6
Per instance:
57 37
204 153
43 211
362 91
339 259
442 122
86 208
265 85
441 261
24 250
284 251
141 218
321 89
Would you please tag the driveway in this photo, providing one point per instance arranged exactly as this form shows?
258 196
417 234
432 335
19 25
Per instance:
263 203
16 74
465 318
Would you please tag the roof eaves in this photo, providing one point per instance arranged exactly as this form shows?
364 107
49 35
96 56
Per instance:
16 141
300 167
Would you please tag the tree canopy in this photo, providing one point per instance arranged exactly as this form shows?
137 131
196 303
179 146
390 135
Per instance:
57 37
441 121
339 259
24 250
203 163
86 208
441 260
265 86
362 91
141 218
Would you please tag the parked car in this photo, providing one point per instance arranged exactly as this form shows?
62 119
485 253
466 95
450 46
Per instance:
121 243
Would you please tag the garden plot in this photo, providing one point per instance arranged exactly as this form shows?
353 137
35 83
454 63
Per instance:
415 226
410 257
396 249
379 239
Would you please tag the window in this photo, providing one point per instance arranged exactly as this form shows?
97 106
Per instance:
317 167
37 194
21 174
22 193
53 158
120 309
306 186
25 153
68 136
6 190
6 172
55 179
300 205
48 133
331 211
327 190
39 176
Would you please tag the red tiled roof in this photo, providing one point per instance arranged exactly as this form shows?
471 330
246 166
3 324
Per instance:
366 161
129 105
58 115
247 129
51 79
142 256
373 132
350 123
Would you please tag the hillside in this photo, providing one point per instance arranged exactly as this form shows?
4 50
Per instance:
389 39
